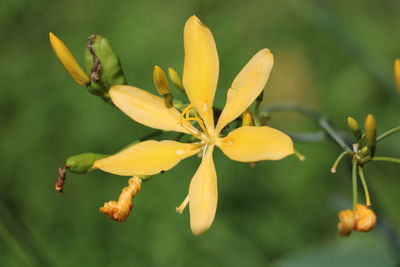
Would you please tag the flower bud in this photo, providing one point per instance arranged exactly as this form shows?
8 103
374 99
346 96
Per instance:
347 222
365 218
397 74
247 119
83 163
161 83
370 132
68 61
354 127
174 77
120 210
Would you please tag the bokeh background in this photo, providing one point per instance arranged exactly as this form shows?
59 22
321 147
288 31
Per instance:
332 56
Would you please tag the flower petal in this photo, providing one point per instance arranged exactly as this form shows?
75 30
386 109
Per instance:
146 108
247 85
203 195
201 67
250 143
147 158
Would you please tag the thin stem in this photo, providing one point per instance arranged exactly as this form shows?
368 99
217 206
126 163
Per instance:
388 159
338 159
388 133
365 186
314 116
300 156
354 182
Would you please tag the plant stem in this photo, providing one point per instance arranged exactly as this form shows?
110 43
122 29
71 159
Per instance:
388 159
388 133
365 186
354 182
338 159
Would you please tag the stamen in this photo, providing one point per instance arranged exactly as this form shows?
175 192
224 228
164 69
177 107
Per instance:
300 156
354 182
337 161
185 119
183 205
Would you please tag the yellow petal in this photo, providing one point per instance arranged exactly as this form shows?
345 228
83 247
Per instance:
203 195
68 61
247 85
201 67
145 108
250 143
146 158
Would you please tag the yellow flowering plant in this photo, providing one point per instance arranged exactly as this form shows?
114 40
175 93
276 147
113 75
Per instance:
249 141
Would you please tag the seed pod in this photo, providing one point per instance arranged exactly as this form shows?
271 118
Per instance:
68 61
83 163
103 64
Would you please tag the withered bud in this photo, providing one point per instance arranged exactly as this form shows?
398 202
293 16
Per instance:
120 210
365 219
347 222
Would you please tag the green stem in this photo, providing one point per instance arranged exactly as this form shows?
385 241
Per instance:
388 159
354 182
337 161
365 186
314 116
388 133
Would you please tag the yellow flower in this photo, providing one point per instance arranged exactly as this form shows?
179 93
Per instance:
200 76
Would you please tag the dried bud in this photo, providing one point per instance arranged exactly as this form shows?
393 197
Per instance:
247 119
68 61
347 222
120 210
354 127
365 219
397 74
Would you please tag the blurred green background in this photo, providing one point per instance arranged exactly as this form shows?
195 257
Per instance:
333 56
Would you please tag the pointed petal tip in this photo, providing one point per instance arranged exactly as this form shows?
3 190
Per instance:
199 229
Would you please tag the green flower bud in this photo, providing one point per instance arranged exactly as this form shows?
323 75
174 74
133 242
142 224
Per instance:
83 163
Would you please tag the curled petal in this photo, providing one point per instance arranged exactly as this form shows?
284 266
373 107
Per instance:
147 158
365 218
146 108
203 195
250 143
347 222
246 87
201 68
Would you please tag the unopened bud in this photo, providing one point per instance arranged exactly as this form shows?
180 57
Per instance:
365 219
161 83
370 132
120 210
174 77
354 127
397 74
247 119
83 163
68 61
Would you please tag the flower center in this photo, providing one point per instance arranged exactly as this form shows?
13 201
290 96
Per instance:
200 132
